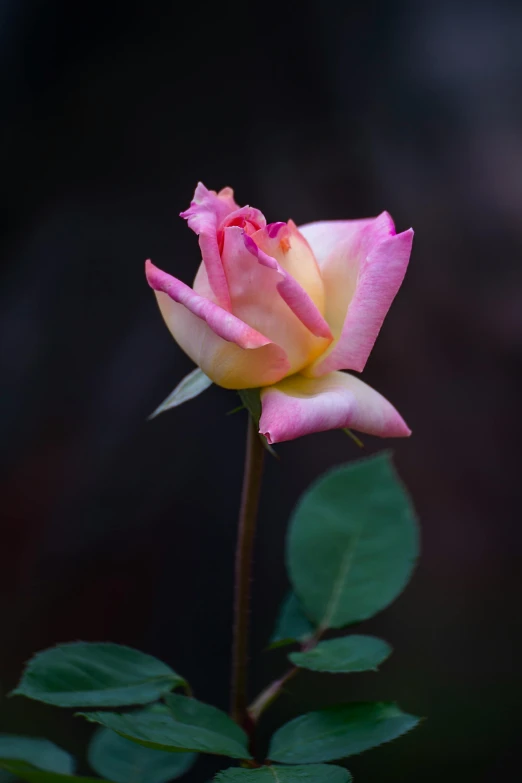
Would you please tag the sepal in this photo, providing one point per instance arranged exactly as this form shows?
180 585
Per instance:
191 386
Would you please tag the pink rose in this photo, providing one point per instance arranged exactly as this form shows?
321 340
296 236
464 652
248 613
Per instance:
285 309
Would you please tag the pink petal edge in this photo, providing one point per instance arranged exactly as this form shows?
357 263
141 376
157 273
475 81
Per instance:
207 210
299 406
222 323
380 279
382 267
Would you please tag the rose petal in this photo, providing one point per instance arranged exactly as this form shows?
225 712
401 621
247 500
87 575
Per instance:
249 218
299 406
205 201
207 210
255 296
362 263
229 351
297 299
290 249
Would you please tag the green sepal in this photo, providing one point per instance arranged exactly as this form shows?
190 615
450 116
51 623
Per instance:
251 399
358 442
191 386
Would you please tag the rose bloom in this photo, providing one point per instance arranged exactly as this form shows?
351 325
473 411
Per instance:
285 309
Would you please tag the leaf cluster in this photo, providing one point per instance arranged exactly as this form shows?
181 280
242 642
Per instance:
351 547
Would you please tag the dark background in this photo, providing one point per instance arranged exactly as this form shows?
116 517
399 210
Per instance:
121 529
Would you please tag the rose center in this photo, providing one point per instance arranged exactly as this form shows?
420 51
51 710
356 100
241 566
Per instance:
249 225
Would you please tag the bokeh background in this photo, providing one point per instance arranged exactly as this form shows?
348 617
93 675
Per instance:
121 529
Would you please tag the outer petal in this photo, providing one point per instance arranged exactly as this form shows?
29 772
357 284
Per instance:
299 406
207 210
230 352
255 283
363 264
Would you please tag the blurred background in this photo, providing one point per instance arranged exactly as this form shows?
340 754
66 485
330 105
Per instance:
115 528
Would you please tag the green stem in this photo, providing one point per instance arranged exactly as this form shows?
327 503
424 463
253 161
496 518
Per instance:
243 572
272 691
269 695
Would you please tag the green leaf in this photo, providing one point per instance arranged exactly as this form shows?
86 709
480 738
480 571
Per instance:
349 654
192 384
84 674
121 760
187 725
36 760
292 624
309 773
337 732
33 750
24 771
352 543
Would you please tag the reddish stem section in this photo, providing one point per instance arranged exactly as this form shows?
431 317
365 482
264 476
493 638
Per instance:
243 574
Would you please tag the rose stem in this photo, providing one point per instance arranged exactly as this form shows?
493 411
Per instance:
269 695
243 572
272 691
